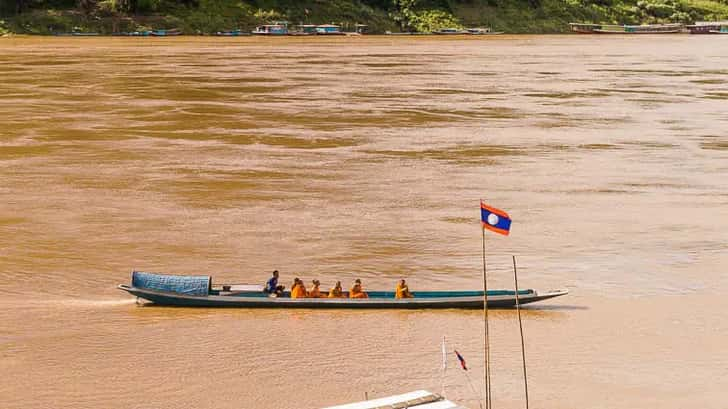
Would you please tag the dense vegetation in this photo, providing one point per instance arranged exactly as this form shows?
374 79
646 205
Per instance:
206 16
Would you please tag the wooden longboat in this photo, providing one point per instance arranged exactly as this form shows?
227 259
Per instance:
708 27
198 291
231 33
589 28
584 28
641 29
450 31
329 30
481 31
271 30
165 33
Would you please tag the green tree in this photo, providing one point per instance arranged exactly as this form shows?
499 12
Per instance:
87 6
12 6
403 12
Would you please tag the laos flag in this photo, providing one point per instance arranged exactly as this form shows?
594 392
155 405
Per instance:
462 360
494 219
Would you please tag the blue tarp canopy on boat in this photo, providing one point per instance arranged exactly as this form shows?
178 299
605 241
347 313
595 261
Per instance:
188 285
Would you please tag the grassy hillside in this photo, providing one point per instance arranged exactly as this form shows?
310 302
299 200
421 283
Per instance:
209 16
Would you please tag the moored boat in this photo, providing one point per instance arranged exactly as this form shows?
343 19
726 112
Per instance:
303 30
165 33
584 28
329 29
418 400
708 27
231 33
199 291
271 30
641 29
361 29
76 34
450 31
482 31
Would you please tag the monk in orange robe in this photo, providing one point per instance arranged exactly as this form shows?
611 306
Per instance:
337 291
402 290
356 290
298 290
315 291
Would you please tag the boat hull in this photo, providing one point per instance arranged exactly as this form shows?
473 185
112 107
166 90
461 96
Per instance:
422 300
676 31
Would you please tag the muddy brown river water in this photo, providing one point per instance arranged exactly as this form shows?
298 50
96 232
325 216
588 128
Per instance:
363 157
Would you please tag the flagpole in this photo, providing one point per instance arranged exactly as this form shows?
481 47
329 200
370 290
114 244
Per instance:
520 325
486 366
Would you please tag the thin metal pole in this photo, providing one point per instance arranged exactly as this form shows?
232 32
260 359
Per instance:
520 325
444 365
486 366
472 389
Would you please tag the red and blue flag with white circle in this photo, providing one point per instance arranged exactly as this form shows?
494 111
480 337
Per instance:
461 359
494 219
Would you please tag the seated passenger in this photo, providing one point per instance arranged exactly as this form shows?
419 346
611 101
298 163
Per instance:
298 290
356 290
272 287
337 291
315 291
402 290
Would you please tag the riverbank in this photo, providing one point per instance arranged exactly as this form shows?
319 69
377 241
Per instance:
211 16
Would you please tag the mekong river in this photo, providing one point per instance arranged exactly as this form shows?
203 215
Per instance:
364 157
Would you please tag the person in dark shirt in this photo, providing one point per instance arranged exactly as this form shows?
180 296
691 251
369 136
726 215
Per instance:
272 287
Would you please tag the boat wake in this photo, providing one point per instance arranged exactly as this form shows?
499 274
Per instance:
77 303
95 303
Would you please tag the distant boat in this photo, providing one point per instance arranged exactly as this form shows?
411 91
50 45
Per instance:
133 34
165 33
404 33
198 291
329 29
361 28
709 27
304 30
416 400
642 29
589 28
584 28
482 31
271 30
450 31
76 34
231 33
318 29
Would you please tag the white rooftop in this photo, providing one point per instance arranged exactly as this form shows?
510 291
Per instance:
416 400
711 23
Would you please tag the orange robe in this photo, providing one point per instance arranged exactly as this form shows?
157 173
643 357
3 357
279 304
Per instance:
357 292
315 293
335 293
402 292
298 291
